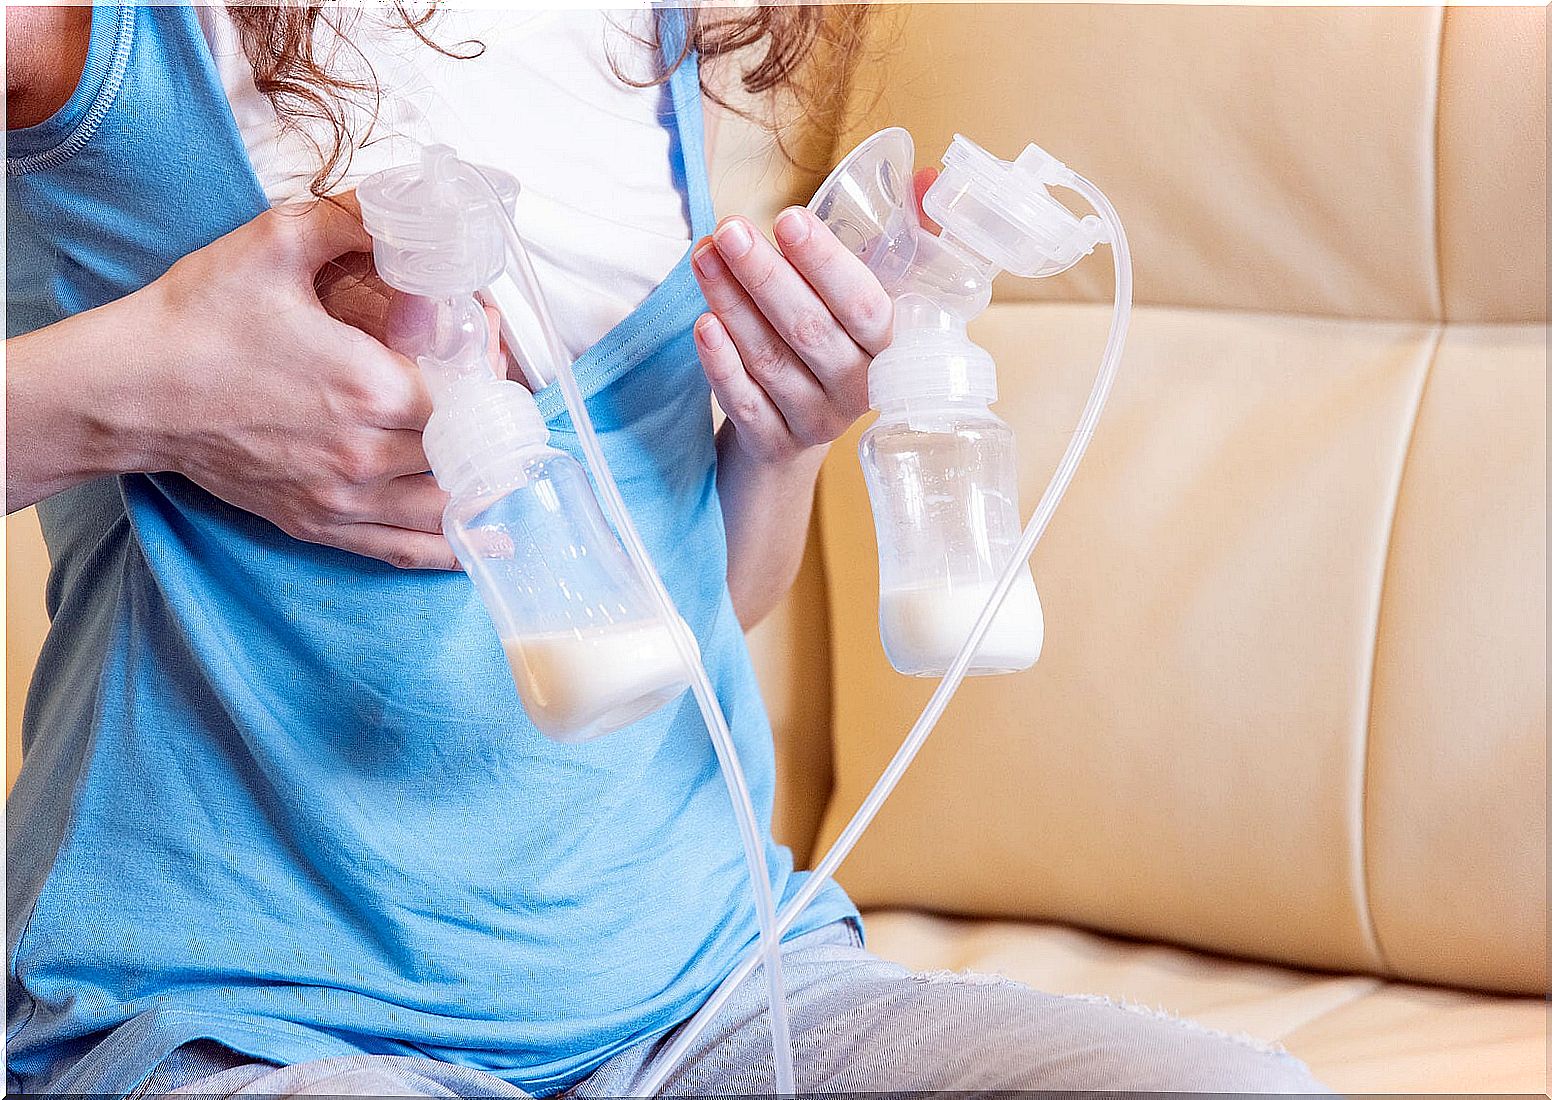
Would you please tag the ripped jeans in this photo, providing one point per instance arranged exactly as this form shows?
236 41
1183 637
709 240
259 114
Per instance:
859 1024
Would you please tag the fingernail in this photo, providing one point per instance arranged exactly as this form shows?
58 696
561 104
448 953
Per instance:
709 329
792 227
707 262
733 239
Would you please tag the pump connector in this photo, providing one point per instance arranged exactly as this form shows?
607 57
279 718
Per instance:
1003 211
438 239
435 230
995 216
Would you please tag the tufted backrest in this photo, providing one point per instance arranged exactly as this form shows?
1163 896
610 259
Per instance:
1292 703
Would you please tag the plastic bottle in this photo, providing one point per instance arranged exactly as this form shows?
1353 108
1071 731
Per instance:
941 467
588 649
942 478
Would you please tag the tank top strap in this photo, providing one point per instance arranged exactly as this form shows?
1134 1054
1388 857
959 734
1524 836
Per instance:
684 86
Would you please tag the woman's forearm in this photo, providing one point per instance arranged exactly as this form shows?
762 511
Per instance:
73 398
766 508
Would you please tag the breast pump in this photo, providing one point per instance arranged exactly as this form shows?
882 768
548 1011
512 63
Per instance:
939 464
956 594
944 529
592 636
588 648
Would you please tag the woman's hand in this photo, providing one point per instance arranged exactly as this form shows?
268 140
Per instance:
791 331
787 344
279 408
229 370
786 347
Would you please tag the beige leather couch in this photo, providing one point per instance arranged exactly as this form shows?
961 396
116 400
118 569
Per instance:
1282 766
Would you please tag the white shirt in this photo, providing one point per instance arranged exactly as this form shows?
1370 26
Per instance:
600 210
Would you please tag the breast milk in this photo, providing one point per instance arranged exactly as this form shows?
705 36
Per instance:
578 684
924 626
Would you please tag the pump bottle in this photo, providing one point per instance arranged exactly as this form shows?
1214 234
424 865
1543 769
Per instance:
940 466
588 649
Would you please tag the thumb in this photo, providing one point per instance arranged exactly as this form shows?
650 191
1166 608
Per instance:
313 233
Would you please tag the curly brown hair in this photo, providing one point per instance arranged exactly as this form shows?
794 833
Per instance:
806 52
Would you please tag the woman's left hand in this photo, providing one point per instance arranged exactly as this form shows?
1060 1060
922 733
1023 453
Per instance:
791 332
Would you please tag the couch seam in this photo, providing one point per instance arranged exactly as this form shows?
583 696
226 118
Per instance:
1275 314
1362 882
1371 986
1438 205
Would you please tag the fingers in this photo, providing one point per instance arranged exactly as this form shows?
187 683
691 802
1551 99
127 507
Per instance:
799 315
790 306
842 281
413 404
396 546
403 453
741 397
764 355
414 502
386 390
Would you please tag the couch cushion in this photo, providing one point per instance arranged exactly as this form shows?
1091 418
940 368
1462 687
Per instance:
1198 756
1492 150
1358 1034
1455 808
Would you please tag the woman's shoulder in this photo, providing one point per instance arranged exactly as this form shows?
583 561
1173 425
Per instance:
45 50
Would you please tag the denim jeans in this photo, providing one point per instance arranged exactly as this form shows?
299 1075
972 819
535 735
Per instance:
859 1024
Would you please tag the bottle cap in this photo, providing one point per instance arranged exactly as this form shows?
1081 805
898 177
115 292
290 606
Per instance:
482 433
1002 210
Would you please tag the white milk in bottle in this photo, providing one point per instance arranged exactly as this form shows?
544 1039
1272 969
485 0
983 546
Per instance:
595 679
924 626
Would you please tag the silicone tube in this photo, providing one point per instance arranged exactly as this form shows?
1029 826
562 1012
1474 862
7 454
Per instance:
768 950
664 1065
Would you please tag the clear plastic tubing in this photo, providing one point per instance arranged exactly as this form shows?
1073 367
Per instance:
769 948
665 1064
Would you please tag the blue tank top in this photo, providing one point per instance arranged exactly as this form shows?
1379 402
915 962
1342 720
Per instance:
284 797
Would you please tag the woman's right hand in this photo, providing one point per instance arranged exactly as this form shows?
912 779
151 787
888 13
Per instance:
260 396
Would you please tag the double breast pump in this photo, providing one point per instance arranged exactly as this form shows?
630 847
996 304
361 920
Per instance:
592 635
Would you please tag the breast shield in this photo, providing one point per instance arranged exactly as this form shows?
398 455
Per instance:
995 215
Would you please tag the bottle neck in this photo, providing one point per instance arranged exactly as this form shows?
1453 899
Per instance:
915 408
491 471
930 359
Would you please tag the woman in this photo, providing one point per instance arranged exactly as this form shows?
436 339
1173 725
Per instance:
282 826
